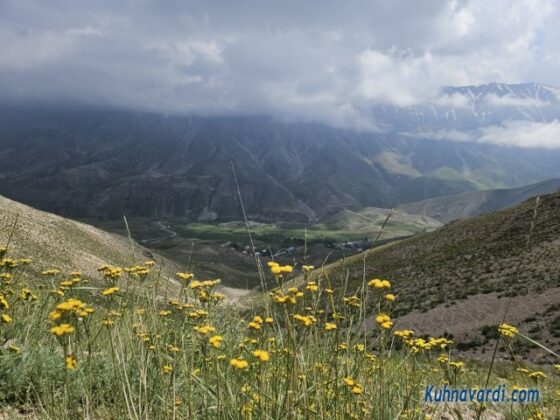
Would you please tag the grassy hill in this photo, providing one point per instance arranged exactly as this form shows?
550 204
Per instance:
53 241
460 279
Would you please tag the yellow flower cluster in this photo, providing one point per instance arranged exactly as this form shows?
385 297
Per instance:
278 269
306 321
216 340
379 284
507 330
185 276
290 298
239 363
138 271
110 271
205 329
353 301
329 326
355 388
404 334
196 284
262 355
71 307
199 313
384 321
63 329
312 286
110 291
9 263
4 302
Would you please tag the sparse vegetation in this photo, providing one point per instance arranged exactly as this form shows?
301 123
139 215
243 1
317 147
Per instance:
121 346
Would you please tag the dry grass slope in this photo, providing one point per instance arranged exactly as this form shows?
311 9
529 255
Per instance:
467 271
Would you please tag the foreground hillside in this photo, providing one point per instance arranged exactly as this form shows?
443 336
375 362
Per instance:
462 278
124 350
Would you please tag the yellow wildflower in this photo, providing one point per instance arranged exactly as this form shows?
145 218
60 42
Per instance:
376 283
349 381
312 286
239 363
110 291
216 340
262 355
71 362
62 329
329 326
507 330
537 375
185 276
357 389
205 329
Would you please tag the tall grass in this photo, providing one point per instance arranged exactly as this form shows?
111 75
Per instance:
115 347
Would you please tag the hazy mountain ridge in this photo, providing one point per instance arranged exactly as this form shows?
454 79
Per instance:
474 203
103 163
464 109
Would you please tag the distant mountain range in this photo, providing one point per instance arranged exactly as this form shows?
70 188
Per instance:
103 163
469 109
474 203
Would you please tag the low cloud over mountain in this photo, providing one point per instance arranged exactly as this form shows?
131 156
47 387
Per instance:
312 61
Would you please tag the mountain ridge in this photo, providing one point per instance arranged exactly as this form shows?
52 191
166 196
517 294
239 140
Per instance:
474 203
86 163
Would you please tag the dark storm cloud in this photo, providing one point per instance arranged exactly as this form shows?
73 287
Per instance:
316 60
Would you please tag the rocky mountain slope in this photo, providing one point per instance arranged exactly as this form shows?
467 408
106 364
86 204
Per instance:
463 278
102 163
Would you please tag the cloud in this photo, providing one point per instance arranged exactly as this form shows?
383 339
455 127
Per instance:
455 100
453 135
315 60
523 134
513 101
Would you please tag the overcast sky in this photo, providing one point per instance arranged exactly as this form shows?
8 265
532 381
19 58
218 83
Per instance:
325 60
